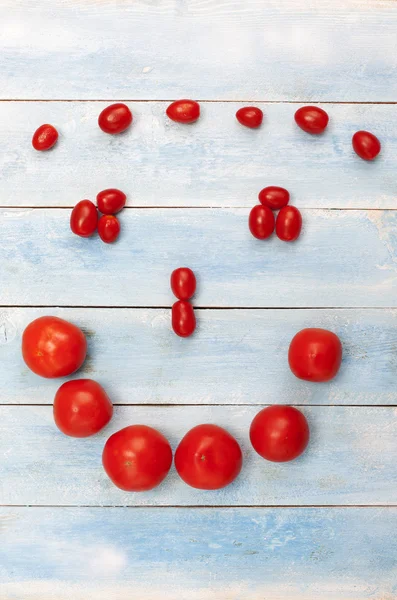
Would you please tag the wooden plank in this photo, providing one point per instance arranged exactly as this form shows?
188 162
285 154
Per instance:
343 50
343 258
236 357
113 554
41 466
215 162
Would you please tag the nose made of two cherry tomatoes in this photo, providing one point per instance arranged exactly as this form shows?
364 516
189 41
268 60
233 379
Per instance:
44 137
115 118
311 119
288 224
84 218
184 111
261 222
366 145
182 318
250 116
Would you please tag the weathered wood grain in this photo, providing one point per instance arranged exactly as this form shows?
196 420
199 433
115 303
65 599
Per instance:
215 162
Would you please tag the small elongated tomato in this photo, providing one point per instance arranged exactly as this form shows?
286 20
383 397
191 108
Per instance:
82 408
279 433
250 116
115 118
111 201
315 354
184 111
44 137
311 119
366 145
261 222
183 318
208 457
137 458
274 197
289 224
84 218
183 283
53 347
108 228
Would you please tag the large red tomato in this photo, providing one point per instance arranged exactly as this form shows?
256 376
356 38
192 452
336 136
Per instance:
315 354
53 347
137 458
82 408
208 458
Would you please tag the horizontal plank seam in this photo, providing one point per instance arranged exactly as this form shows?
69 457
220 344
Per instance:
201 506
204 100
199 405
196 307
182 207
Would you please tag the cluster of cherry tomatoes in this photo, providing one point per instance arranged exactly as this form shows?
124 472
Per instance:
183 285
84 219
261 219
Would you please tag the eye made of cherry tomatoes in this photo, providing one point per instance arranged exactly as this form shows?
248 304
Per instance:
366 145
250 116
110 201
183 283
183 319
84 218
311 119
184 111
261 222
274 197
315 354
288 224
108 228
115 118
44 137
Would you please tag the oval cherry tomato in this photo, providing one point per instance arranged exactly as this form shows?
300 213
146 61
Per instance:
289 224
366 145
137 458
115 118
184 111
84 218
274 197
208 458
108 228
110 201
311 119
183 319
261 222
315 354
279 433
250 116
44 137
81 408
183 283
53 347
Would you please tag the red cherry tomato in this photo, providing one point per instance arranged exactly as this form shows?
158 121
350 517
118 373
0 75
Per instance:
44 137
115 118
81 408
184 111
108 228
279 433
52 347
250 116
261 222
183 283
311 119
137 458
110 201
274 197
289 224
366 145
315 354
183 318
208 458
84 218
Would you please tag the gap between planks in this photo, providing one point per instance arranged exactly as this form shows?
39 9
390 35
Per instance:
196 405
182 207
202 506
264 101
196 307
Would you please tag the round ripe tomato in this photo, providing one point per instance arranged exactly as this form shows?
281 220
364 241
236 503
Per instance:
53 347
279 433
274 197
289 224
250 116
108 228
184 111
311 119
44 137
261 222
110 201
315 354
208 458
81 408
137 458
183 319
183 283
84 218
366 145
115 118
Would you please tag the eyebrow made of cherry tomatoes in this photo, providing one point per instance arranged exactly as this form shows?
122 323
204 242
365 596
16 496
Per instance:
288 224
111 201
183 111
311 119
183 319
261 222
250 116
45 137
274 197
183 283
366 145
84 218
115 118
108 228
